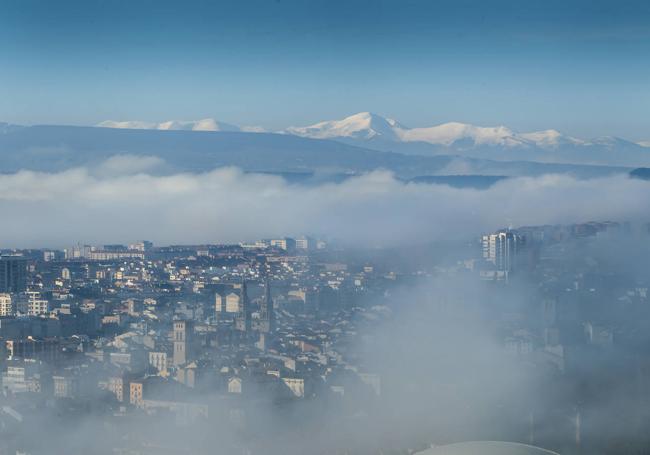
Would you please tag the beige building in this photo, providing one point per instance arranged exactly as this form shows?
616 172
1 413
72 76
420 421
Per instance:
116 386
64 386
226 304
219 302
296 386
136 393
235 385
7 306
159 361
232 303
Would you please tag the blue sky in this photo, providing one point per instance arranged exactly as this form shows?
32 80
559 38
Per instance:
582 67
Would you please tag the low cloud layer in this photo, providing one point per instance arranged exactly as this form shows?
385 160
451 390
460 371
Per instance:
226 205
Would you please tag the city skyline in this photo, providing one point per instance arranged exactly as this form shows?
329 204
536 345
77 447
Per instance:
178 348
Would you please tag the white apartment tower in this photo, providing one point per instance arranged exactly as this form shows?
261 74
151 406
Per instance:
36 305
501 249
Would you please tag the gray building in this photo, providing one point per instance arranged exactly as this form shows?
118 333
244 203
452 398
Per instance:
13 274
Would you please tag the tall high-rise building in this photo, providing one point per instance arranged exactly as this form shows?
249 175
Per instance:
286 243
501 249
244 318
78 251
182 342
143 246
305 243
13 274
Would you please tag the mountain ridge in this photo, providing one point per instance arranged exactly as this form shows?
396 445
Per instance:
442 134
51 148
497 143
206 124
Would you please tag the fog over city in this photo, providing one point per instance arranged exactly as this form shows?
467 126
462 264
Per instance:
445 376
325 227
227 205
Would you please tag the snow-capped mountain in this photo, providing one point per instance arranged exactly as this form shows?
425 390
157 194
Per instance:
374 131
497 143
363 125
366 125
448 134
207 124
454 138
54 148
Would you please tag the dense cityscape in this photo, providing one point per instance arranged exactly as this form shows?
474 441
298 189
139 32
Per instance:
109 346
324 227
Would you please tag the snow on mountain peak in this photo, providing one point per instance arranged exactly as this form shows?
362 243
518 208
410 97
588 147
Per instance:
207 124
448 133
131 124
367 126
550 138
363 125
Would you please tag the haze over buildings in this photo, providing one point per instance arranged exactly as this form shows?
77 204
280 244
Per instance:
372 227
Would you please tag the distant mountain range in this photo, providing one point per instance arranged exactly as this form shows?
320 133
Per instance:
498 143
368 126
494 143
56 148
207 124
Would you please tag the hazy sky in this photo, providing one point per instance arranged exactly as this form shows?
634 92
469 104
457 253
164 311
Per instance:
582 67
